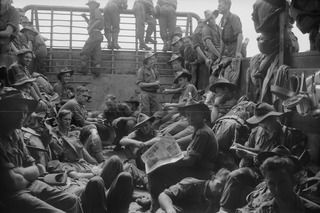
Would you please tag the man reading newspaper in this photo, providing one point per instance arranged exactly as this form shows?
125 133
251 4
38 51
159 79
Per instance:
198 161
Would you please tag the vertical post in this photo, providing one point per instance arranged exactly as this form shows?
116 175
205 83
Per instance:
51 41
37 20
188 25
137 51
283 31
70 38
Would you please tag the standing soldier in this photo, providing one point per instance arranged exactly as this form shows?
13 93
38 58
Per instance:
149 83
111 13
144 12
231 31
92 47
166 11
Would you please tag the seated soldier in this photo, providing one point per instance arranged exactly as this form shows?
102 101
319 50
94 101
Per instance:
280 177
224 98
62 87
19 68
193 195
66 147
9 28
24 193
188 90
199 159
140 139
77 107
267 135
25 86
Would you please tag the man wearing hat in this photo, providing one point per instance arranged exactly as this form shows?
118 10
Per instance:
77 107
193 195
92 47
188 92
268 134
9 27
166 11
111 13
224 94
38 46
177 45
22 192
231 35
138 141
144 12
199 158
211 35
62 87
149 82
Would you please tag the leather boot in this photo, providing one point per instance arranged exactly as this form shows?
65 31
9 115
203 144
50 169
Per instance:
150 40
143 46
108 37
115 41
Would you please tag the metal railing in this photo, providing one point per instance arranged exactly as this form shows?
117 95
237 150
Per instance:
66 31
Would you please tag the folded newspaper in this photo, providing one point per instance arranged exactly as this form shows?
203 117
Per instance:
164 152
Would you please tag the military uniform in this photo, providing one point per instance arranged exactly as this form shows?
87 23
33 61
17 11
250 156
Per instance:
79 112
148 97
111 14
92 47
212 33
9 18
167 19
143 11
38 196
231 28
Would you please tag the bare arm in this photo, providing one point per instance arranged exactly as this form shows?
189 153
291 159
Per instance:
212 48
129 141
239 43
30 173
166 203
151 84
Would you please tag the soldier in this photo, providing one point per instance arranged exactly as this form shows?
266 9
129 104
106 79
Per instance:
211 35
92 47
166 11
9 27
231 30
149 83
111 13
144 12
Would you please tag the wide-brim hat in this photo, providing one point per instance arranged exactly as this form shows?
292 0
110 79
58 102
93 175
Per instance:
30 28
148 55
196 107
93 2
176 39
220 83
11 98
64 71
208 14
142 120
261 112
182 74
24 51
174 57
280 151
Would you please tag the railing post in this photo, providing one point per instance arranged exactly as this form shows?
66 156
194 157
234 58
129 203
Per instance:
70 38
136 51
51 41
37 20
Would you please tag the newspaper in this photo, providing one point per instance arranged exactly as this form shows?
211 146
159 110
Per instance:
161 153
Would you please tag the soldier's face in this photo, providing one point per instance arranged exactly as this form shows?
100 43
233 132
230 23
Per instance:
176 65
66 121
152 61
26 59
280 183
146 128
223 6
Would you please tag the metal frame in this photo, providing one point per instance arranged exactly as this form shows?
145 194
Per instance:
47 18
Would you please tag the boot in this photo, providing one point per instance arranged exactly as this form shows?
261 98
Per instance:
150 40
143 46
108 37
115 41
